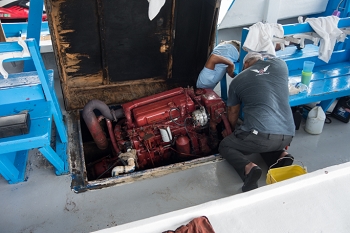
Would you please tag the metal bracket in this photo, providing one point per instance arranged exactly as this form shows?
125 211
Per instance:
281 41
7 55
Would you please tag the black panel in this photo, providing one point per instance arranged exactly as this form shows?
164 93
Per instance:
194 21
116 39
80 16
132 42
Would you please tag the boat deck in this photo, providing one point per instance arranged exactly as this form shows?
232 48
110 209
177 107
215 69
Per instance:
46 203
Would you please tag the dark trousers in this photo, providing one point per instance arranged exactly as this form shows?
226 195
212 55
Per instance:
240 143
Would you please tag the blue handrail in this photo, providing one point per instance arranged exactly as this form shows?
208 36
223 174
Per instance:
20 29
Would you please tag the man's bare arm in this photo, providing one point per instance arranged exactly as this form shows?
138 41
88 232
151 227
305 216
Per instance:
232 114
216 59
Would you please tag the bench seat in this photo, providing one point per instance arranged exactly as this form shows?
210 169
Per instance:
32 92
325 90
329 81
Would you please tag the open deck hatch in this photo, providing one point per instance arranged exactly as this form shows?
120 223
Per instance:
111 51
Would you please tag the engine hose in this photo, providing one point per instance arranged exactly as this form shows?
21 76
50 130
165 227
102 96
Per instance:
92 123
111 135
124 169
227 124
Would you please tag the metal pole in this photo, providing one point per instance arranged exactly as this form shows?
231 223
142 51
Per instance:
34 27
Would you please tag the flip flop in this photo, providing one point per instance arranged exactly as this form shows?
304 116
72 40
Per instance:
287 160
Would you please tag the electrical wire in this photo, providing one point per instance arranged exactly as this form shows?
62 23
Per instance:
170 137
171 118
339 4
115 163
185 126
184 153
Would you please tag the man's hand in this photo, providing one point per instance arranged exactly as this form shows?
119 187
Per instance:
217 59
230 68
232 115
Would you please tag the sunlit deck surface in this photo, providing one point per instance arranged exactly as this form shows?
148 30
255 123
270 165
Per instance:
46 203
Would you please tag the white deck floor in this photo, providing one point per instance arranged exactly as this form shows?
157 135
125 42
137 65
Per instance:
45 203
307 203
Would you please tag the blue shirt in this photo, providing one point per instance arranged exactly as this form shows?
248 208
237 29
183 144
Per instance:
209 78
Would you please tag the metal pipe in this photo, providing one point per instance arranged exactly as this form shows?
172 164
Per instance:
100 118
111 135
124 169
93 124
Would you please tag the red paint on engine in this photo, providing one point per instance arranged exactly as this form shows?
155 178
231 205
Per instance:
163 110
147 100
214 104
174 108
183 146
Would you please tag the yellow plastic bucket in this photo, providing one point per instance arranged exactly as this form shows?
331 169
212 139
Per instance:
275 175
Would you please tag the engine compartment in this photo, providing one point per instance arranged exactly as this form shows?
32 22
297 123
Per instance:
155 131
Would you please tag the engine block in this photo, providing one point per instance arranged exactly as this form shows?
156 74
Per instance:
168 127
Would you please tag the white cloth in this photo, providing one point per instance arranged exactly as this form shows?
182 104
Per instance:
154 8
327 29
259 38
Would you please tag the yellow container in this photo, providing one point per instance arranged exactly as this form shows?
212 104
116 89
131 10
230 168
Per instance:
275 175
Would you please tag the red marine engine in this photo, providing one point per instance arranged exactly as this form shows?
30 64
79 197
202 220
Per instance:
168 127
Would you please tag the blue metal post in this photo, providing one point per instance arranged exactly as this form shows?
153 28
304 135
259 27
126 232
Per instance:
223 82
345 11
34 27
223 88
49 93
242 53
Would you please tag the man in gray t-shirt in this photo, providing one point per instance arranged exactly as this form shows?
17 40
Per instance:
268 126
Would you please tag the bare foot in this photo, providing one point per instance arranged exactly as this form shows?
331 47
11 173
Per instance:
249 167
284 153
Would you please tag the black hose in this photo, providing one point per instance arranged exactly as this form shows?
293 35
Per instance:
92 123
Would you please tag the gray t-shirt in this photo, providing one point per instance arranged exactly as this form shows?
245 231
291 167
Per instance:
263 90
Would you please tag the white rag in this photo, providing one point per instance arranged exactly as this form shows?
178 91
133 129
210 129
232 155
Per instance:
154 8
327 29
259 38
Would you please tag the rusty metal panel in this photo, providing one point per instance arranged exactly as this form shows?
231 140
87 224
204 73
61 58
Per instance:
110 50
134 47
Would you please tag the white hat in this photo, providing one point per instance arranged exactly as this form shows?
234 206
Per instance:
251 55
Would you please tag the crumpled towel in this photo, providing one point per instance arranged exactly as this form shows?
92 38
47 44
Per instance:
197 225
327 29
259 38
154 8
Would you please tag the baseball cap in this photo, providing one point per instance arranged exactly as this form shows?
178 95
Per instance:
235 43
252 55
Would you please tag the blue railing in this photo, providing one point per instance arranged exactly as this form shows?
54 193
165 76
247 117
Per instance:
20 29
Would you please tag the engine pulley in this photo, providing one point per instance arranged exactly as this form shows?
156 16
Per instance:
200 117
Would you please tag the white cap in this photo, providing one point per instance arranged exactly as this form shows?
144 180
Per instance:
251 55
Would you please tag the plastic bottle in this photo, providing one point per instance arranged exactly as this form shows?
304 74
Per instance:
315 120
